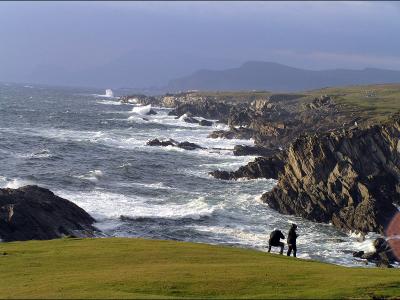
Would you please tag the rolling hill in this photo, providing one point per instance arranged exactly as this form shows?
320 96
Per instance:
257 75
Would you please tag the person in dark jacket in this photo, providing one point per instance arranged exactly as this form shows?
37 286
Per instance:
275 240
291 240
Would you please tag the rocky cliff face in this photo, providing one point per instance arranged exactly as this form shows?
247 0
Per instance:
34 213
350 178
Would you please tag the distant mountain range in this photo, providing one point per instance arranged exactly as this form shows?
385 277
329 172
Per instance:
257 75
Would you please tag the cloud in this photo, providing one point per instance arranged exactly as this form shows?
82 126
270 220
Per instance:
338 59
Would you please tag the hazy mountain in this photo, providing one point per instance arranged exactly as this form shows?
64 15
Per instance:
134 69
257 75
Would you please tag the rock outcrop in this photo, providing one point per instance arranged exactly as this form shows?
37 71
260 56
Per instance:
234 133
35 213
140 99
241 150
383 256
261 167
183 145
349 178
207 109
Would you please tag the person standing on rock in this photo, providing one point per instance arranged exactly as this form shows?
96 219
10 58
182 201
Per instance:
291 240
275 240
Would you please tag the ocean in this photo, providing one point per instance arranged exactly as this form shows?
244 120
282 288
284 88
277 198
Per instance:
91 149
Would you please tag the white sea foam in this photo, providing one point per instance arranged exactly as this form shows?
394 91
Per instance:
109 102
93 176
157 185
44 153
142 110
14 183
105 205
109 93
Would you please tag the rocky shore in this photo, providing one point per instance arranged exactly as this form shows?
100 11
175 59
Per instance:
332 164
349 178
35 213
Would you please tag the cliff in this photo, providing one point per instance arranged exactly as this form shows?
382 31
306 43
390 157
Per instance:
349 178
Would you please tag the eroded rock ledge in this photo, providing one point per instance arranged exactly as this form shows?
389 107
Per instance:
35 213
349 178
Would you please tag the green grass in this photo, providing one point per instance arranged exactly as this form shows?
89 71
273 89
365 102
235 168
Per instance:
137 268
377 101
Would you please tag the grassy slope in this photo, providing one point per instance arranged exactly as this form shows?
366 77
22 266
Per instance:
378 101
374 101
128 268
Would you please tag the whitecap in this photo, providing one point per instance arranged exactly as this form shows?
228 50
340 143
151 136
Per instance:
142 110
14 183
93 176
104 205
109 102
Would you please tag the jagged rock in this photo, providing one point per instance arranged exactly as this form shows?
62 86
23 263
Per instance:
383 255
358 254
35 213
151 112
189 146
240 116
234 133
348 178
184 145
205 123
261 167
241 150
157 142
191 120
140 99
205 108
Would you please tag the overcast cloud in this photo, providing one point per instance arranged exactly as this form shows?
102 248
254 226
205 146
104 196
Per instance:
156 41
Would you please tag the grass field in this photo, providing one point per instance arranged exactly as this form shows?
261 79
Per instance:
376 102
136 268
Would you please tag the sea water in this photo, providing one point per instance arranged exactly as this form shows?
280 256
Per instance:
92 150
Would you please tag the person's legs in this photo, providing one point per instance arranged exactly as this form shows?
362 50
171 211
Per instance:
294 250
269 248
282 245
290 250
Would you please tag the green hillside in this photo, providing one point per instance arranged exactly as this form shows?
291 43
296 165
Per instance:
137 268
378 101
375 102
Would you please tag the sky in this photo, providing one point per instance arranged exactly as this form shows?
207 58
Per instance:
141 44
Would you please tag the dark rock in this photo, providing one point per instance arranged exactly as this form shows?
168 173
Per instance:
240 116
187 115
191 120
233 133
35 213
358 254
205 123
223 175
151 112
189 146
184 145
383 255
349 178
157 142
140 99
241 150
205 108
261 167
